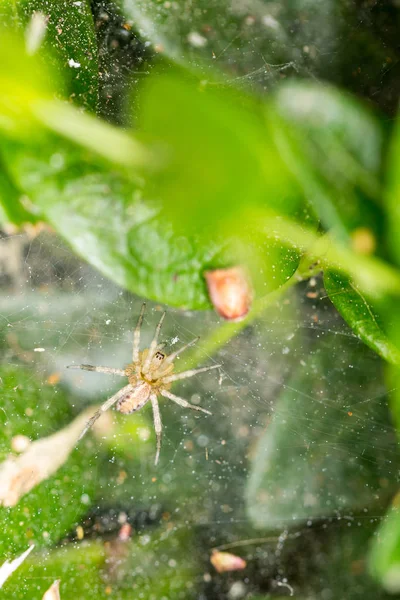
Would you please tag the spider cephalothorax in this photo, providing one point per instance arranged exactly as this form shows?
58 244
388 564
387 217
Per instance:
150 374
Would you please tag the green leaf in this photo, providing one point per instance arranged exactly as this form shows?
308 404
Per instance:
68 45
34 409
384 557
104 218
360 314
133 246
330 447
333 145
217 162
10 200
29 110
221 163
392 196
78 566
91 570
24 82
393 380
219 156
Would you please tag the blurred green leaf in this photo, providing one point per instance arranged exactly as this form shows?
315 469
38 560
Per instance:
179 567
63 36
34 409
393 383
360 314
91 570
392 196
10 200
77 565
221 162
384 557
29 111
325 450
372 274
24 83
132 241
333 145
218 153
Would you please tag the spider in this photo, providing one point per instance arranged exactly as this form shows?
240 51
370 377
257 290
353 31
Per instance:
150 374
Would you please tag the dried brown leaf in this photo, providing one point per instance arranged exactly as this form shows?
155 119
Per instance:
225 561
53 593
19 474
230 292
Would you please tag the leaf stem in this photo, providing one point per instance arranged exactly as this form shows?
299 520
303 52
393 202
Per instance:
370 274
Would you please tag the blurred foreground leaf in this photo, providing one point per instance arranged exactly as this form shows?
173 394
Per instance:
219 156
76 565
384 558
393 383
29 110
93 571
333 145
392 196
219 165
10 201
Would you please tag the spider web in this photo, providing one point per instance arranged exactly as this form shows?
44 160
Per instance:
55 310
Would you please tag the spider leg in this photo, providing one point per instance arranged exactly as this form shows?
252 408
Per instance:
136 335
153 345
109 370
107 404
171 357
157 424
186 374
183 402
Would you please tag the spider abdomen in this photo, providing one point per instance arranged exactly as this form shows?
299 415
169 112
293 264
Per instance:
134 398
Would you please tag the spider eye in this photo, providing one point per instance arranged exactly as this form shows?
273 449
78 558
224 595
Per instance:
159 356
